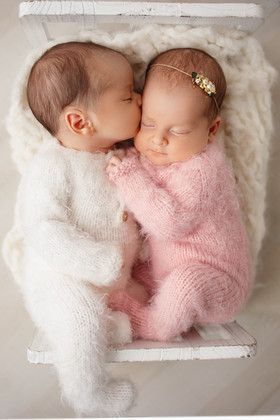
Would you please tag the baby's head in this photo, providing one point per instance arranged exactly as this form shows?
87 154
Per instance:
178 117
82 93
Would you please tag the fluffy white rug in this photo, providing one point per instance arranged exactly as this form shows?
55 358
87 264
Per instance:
247 118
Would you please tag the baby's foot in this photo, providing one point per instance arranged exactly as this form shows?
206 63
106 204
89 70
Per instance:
137 291
119 328
119 300
117 398
112 400
141 272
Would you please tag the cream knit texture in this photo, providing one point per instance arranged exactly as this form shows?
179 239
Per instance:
77 248
200 264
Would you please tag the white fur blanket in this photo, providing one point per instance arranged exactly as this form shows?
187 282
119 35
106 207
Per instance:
247 118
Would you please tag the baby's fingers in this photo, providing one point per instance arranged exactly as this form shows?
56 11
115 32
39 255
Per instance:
110 168
120 153
115 161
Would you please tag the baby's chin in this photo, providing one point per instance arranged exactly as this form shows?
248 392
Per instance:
157 159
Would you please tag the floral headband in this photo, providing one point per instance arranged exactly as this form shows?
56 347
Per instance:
198 79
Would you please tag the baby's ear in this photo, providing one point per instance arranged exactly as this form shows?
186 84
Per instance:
77 122
213 129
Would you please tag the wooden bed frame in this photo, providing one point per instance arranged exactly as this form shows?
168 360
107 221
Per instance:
46 20
229 341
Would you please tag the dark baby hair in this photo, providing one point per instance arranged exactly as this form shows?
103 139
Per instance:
61 76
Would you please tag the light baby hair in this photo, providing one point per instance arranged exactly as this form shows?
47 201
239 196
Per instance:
190 60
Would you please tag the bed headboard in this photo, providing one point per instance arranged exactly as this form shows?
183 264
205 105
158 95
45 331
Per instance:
46 20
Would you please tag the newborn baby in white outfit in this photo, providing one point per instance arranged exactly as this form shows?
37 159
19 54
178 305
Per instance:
79 240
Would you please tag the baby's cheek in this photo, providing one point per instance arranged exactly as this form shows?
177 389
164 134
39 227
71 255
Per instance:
139 141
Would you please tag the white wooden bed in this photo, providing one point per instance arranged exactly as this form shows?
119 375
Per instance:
47 20
229 341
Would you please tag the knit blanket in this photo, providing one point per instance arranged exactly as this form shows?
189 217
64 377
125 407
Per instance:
247 118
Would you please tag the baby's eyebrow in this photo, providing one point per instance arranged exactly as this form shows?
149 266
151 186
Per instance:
184 125
124 89
147 118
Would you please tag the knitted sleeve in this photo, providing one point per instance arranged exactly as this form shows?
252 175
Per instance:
46 196
165 214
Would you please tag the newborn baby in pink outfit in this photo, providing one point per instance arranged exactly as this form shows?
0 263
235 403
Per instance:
181 189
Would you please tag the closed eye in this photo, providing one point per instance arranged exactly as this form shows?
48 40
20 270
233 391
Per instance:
150 125
180 133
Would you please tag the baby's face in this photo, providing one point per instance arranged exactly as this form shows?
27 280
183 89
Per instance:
118 111
173 125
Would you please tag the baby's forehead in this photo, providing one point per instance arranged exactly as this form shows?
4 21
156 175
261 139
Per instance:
123 77
158 95
154 85
173 106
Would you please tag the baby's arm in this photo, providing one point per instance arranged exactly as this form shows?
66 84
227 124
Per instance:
161 212
49 232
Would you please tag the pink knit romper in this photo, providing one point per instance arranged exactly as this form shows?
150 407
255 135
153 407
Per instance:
200 268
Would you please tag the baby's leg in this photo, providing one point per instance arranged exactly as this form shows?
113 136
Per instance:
189 295
73 316
141 272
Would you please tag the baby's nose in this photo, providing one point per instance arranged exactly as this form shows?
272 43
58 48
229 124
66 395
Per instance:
159 140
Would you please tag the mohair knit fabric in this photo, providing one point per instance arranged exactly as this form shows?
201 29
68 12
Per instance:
77 248
245 133
200 268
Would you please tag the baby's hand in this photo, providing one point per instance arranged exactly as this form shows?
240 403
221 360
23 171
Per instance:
114 162
121 161
120 153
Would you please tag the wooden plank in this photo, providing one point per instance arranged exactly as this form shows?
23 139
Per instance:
201 343
95 14
138 8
